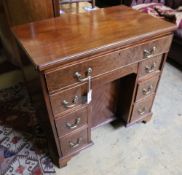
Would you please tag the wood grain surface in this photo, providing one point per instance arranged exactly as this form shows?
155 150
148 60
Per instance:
57 79
74 36
126 50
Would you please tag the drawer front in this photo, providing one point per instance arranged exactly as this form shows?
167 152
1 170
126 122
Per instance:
150 66
62 77
142 108
68 99
74 142
147 87
71 122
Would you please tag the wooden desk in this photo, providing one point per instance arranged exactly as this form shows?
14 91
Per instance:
119 50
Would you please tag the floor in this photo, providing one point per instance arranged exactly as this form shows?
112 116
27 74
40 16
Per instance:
154 148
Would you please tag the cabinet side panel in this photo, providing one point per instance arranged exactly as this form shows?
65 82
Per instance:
34 82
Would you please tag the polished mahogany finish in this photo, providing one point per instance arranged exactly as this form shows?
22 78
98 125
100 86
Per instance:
72 37
74 141
150 66
147 87
56 78
75 96
71 121
116 54
142 108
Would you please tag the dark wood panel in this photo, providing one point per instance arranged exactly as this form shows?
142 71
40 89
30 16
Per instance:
24 11
127 94
104 104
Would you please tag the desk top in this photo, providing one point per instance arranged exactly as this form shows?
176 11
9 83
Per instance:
74 36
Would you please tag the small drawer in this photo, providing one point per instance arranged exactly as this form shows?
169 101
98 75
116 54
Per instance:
74 142
62 77
68 99
150 66
147 87
142 108
72 121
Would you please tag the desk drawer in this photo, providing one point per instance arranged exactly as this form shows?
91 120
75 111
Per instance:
150 66
74 142
72 121
142 108
65 76
147 87
68 99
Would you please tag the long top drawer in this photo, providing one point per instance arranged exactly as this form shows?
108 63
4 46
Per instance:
65 76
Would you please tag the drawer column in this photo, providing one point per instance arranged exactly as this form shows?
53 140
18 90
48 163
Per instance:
71 109
149 72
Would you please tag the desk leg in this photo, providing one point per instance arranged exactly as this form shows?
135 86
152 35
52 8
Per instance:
147 119
63 163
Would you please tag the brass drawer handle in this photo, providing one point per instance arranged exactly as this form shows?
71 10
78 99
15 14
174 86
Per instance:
149 53
142 111
74 145
75 125
148 90
80 78
151 68
73 104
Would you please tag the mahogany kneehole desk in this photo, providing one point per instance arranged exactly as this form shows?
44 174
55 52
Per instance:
117 53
